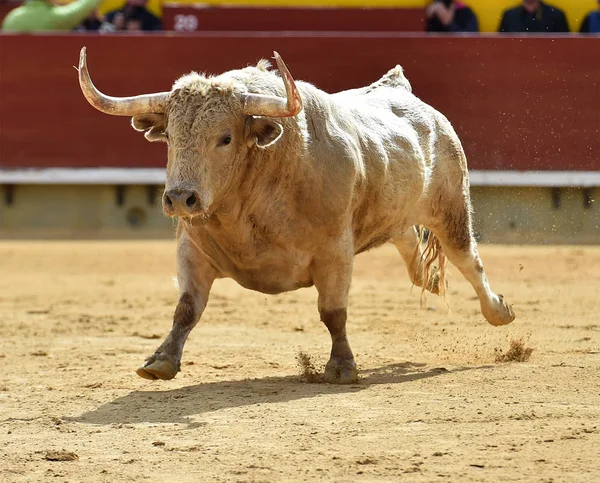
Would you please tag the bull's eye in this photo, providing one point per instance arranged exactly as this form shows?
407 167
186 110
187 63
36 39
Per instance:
225 140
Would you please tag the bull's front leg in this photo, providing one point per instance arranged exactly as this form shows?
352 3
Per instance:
195 277
332 276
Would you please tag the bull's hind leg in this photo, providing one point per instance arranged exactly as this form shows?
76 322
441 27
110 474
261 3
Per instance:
452 226
332 274
195 277
409 247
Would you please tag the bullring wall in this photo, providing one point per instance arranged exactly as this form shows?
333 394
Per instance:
517 103
502 214
526 109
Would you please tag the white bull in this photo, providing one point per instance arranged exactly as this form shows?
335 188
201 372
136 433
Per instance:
278 185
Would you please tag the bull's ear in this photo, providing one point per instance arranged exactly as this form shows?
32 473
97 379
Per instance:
262 131
153 124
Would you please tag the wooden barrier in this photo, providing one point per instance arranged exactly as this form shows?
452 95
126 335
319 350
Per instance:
518 103
191 18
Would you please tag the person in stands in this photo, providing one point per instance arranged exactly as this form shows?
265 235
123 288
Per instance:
133 24
450 16
95 23
135 9
591 23
534 16
43 15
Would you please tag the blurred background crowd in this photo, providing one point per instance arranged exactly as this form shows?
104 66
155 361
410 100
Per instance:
105 16
80 15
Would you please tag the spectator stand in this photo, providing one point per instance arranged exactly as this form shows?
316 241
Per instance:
381 15
386 16
489 12
406 15
153 6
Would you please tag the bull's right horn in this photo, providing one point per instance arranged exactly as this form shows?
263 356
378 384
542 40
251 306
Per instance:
118 106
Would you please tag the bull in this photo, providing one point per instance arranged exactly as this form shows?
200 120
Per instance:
278 185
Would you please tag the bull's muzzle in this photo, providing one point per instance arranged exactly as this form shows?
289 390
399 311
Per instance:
181 202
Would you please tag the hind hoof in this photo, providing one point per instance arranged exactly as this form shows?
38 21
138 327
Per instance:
434 282
503 314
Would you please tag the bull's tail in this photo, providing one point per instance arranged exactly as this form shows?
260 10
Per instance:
433 277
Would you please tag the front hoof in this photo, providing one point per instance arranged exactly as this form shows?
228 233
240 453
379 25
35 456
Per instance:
341 371
154 369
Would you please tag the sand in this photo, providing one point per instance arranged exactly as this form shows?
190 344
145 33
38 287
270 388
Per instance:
434 402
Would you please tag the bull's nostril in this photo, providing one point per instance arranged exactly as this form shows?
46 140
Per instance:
168 201
191 201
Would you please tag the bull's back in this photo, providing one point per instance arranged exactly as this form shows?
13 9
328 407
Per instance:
396 132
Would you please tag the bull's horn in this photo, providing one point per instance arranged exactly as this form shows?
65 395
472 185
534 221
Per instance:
274 106
118 106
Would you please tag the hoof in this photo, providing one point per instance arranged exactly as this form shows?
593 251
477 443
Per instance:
434 282
341 371
154 369
503 314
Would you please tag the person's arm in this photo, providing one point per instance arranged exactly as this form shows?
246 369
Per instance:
585 25
151 21
431 17
447 17
471 25
454 27
67 17
561 24
157 24
502 27
464 21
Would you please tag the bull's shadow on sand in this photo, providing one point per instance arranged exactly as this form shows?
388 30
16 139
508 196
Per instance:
176 405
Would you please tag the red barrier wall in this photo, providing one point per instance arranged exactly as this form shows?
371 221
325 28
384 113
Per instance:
517 103
196 18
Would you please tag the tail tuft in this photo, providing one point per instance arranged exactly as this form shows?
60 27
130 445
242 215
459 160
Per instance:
432 252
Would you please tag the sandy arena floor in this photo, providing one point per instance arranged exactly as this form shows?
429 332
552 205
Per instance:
77 319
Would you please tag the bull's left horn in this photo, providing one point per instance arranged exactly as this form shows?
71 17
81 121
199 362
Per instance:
118 106
274 106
